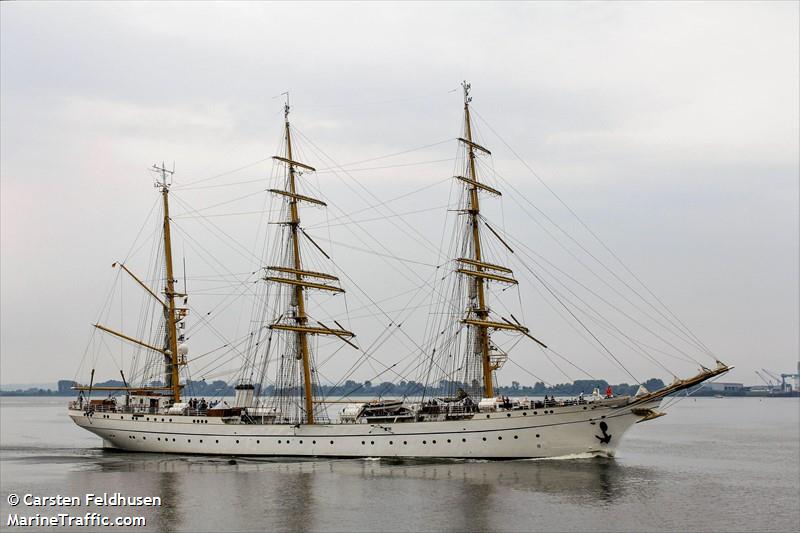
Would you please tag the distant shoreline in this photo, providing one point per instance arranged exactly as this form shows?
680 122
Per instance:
220 388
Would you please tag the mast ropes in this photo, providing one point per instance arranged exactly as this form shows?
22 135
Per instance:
172 314
295 277
476 269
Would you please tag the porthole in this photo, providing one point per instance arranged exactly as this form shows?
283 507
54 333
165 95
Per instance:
487 416
144 438
391 442
122 418
508 415
279 442
524 413
584 407
424 442
463 440
516 436
405 442
162 419
217 441
201 441
433 442
313 442
258 442
173 439
159 438
190 440
537 435
499 438
288 441
372 442
603 416
538 445
331 442
448 441
237 441
362 442
535 413
484 438
301 442
170 420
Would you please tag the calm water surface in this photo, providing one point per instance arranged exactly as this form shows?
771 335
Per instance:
729 464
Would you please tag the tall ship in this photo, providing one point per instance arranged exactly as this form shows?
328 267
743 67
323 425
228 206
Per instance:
279 408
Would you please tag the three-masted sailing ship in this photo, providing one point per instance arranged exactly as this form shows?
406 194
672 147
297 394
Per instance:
472 421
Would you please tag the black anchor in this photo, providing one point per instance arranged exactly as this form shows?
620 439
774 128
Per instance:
606 438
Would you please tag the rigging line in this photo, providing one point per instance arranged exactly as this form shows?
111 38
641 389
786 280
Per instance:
603 244
382 203
550 359
530 373
216 215
216 230
635 344
384 167
371 252
546 286
385 338
193 182
425 239
550 348
582 335
245 284
677 332
379 102
387 156
619 310
325 224
193 210
141 229
231 184
379 242
368 353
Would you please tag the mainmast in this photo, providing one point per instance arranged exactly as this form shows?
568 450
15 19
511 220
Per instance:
482 332
299 297
295 276
478 270
171 355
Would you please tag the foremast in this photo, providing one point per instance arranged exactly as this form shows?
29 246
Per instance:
296 321
477 269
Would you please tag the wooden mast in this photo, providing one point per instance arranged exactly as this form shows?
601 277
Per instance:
293 275
299 297
478 269
171 356
481 331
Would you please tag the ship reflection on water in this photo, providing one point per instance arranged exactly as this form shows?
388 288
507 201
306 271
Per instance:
287 494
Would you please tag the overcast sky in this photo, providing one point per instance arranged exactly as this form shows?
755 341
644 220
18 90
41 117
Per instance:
672 129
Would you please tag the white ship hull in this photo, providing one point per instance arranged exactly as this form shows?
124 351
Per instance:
514 434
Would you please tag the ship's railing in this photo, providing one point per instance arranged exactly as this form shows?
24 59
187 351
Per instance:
128 409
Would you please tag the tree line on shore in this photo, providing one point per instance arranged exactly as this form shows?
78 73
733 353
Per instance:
219 388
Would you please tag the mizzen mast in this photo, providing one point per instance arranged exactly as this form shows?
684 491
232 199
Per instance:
172 360
294 275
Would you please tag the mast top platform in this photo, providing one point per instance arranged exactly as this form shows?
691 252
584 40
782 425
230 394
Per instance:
467 87
163 178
